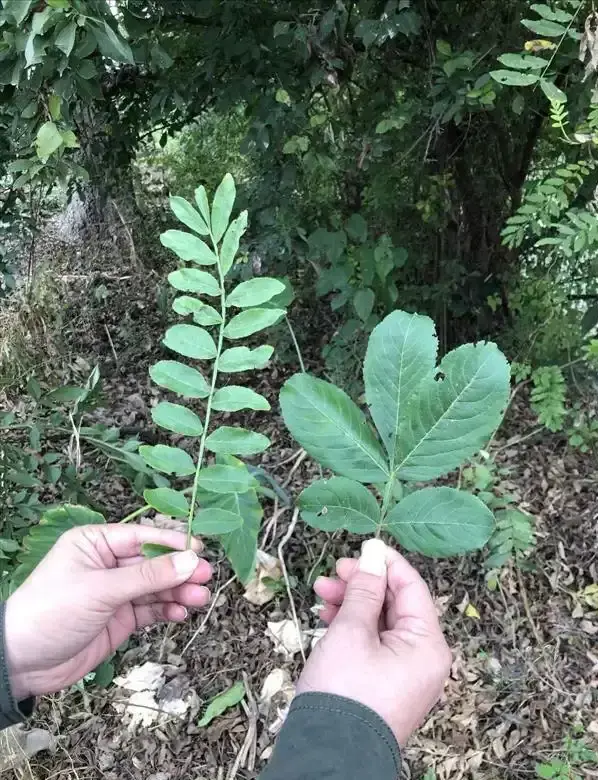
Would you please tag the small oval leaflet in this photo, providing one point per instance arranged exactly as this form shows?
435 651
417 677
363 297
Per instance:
330 504
190 341
195 281
234 398
179 378
236 441
215 522
188 247
254 292
186 214
222 702
239 359
203 313
167 501
168 460
225 479
251 321
177 418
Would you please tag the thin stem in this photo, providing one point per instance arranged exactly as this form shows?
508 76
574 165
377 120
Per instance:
296 343
388 491
202 444
136 513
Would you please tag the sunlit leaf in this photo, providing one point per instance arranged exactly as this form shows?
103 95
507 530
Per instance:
254 292
179 378
251 321
236 441
190 341
240 359
230 243
177 418
233 399
222 206
331 504
194 280
203 314
186 214
188 247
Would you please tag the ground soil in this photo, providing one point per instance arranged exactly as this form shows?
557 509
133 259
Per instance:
525 668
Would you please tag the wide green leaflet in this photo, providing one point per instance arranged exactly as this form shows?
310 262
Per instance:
190 341
332 429
188 247
215 521
225 479
254 292
330 504
186 214
201 199
234 398
167 501
168 460
203 313
222 206
440 521
251 321
236 441
222 702
179 378
401 353
239 359
230 244
195 281
177 418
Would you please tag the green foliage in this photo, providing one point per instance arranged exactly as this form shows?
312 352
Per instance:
429 419
221 703
548 396
572 762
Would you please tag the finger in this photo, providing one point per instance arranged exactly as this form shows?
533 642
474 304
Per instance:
201 575
125 541
149 614
189 595
409 596
346 568
328 613
330 590
366 589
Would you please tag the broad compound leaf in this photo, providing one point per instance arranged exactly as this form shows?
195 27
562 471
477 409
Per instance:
452 416
167 501
230 242
168 460
215 522
254 292
190 341
440 522
179 378
42 537
330 504
234 398
236 441
222 206
332 429
188 247
186 214
226 479
203 314
223 702
251 321
401 353
195 281
239 359
177 418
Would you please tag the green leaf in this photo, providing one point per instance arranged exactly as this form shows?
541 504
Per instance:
186 214
177 418
18 8
453 415
544 28
523 61
234 398
552 92
230 243
167 501
254 292
223 702
201 198
190 341
357 228
222 206
48 140
149 550
236 441
440 522
103 674
363 301
225 479
332 429
188 247
215 522
194 280
514 78
111 44
65 40
203 314
50 528
179 378
239 359
251 321
69 139
330 504
401 353
168 460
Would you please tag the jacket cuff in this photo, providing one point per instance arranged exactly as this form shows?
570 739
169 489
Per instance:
11 712
330 736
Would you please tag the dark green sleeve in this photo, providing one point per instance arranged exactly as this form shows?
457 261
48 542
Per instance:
333 738
10 711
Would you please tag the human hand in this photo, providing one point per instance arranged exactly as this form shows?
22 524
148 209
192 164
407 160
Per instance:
384 648
88 595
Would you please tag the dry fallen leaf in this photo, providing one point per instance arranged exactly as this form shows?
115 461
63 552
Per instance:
258 590
147 677
287 640
275 698
472 612
18 744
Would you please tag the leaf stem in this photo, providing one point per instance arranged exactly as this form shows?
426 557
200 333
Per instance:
388 491
137 513
202 444
296 344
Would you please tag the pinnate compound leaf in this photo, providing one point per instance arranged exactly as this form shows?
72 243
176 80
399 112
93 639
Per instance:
234 398
168 460
452 416
238 359
225 479
194 280
254 292
236 441
188 247
222 206
203 314
330 504
332 429
401 353
177 418
149 550
186 214
167 501
224 701
179 378
42 537
215 522
440 522
251 321
190 341
230 242
201 199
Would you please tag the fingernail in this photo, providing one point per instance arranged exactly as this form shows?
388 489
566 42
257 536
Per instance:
373 557
185 562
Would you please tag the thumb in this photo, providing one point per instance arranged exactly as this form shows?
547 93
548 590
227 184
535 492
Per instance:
151 576
366 589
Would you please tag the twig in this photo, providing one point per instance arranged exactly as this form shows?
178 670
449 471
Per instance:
208 613
296 344
272 523
519 440
111 344
133 252
296 465
281 546
291 458
527 609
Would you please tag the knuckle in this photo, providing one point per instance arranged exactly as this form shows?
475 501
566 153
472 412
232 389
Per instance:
149 575
361 594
